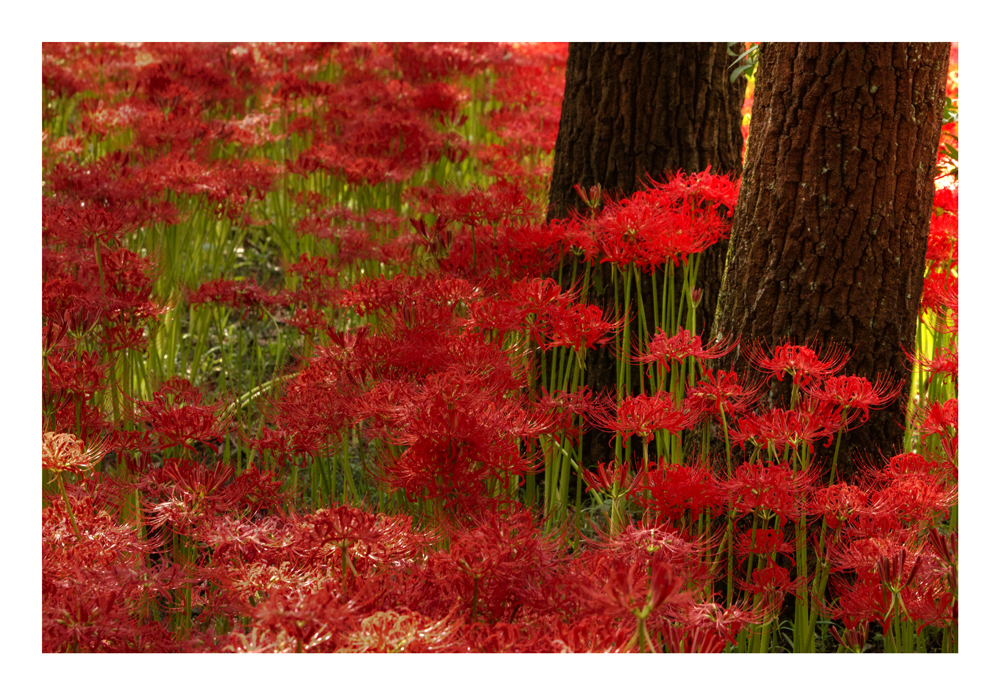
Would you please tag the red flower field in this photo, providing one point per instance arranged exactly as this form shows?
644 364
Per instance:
314 381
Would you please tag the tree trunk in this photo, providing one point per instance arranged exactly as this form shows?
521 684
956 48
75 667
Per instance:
830 232
634 111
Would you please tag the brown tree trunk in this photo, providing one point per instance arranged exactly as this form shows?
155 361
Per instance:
634 111
830 231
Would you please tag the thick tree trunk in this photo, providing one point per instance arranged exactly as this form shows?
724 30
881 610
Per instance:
631 111
634 111
830 231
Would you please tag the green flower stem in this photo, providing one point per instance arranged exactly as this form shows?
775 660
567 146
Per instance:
725 435
731 520
69 507
750 557
529 484
670 321
643 332
820 579
802 638
626 337
656 303
836 449
348 475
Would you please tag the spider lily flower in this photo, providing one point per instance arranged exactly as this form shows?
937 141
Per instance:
855 392
664 349
798 360
720 392
642 416
64 452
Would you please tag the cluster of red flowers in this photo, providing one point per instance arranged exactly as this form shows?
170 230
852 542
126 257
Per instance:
406 482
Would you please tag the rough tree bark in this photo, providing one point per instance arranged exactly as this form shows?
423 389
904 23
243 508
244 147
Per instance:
631 111
830 231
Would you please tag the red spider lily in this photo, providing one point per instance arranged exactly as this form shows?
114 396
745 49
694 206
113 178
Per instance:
779 428
649 229
506 638
84 419
92 223
129 285
313 617
941 420
497 565
389 295
428 380
183 496
763 542
318 281
860 600
676 490
772 582
593 634
68 304
907 465
798 360
528 423
253 491
576 326
719 393
503 201
914 499
119 289
946 200
663 348
855 392
687 639
641 415
348 531
636 588
393 632
82 375
942 242
436 239
727 622
176 417
315 410
564 407
569 236
945 547
528 250
537 295
701 188
916 591
62 452
940 293
769 489
838 502
339 526
457 434
244 296
625 228
558 321
91 581
869 536
120 336
111 179
639 542
945 361
610 475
